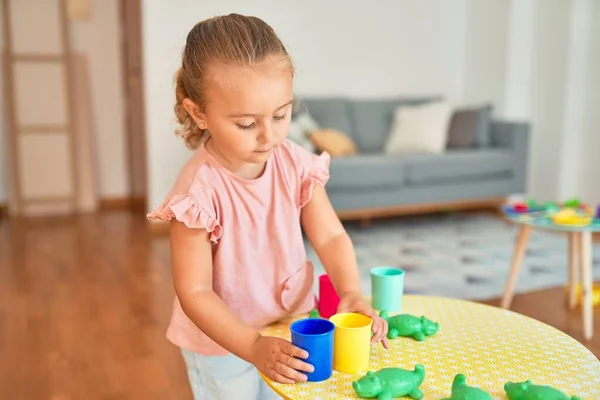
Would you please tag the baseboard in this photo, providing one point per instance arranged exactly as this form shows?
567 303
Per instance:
121 203
105 204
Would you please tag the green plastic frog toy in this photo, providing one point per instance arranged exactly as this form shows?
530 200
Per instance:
409 326
528 391
461 391
314 314
388 383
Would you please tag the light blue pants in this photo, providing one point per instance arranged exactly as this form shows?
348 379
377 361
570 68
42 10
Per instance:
225 377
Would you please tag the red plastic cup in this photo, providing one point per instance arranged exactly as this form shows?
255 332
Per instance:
328 297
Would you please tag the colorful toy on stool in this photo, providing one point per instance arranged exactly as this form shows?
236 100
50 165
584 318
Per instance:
389 383
572 203
409 326
520 208
572 217
528 391
328 297
461 391
579 293
550 207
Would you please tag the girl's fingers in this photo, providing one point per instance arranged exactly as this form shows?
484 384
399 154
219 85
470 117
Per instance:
289 373
377 331
277 377
385 343
385 326
380 330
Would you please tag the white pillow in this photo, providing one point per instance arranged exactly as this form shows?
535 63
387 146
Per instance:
421 129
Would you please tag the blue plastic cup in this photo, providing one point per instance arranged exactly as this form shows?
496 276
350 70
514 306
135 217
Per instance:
316 337
387 288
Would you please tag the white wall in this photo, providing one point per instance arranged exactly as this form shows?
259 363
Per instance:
419 50
532 59
555 88
551 37
484 74
589 173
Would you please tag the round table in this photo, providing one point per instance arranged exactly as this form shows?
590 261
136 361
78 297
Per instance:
490 345
580 259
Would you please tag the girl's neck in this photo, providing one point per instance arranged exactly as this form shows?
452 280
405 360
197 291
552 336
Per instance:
239 168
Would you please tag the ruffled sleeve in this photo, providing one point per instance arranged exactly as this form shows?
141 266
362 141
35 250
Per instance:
318 172
186 209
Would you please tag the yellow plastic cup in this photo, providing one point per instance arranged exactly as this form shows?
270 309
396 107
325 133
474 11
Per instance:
351 342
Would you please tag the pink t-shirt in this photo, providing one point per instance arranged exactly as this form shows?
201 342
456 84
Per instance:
260 268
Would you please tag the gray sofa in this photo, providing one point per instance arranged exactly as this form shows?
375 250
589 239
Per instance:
373 183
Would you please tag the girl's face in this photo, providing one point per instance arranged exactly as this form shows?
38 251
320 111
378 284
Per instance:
248 109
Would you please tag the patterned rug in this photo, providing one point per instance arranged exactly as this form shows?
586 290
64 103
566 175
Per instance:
460 255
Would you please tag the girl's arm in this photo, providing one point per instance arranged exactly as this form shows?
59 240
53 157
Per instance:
191 259
335 250
331 242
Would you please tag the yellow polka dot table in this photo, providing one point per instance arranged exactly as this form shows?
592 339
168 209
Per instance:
491 346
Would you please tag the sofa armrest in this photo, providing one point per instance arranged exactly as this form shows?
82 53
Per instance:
514 136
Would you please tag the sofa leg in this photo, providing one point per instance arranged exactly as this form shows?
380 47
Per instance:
365 222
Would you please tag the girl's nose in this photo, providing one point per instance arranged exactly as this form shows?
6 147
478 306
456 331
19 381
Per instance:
266 134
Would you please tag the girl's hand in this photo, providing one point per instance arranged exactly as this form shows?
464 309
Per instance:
353 302
276 358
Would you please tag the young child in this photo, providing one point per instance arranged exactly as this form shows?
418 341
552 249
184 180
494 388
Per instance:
237 211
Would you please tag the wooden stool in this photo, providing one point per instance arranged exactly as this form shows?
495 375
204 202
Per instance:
580 269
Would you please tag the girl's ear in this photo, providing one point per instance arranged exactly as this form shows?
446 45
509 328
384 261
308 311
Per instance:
194 111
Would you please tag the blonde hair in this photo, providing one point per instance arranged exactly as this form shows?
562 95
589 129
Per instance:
231 39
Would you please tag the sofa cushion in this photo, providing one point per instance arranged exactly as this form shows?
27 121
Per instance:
365 171
470 127
456 166
372 120
421 129
329 112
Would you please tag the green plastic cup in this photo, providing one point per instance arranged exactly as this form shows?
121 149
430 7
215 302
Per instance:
387 288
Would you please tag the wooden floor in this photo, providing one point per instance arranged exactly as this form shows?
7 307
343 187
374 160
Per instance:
84 303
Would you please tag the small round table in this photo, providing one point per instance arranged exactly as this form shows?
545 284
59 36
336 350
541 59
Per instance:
580 260
491 346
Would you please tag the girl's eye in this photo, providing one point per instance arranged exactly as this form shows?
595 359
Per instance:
252 125
245 127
